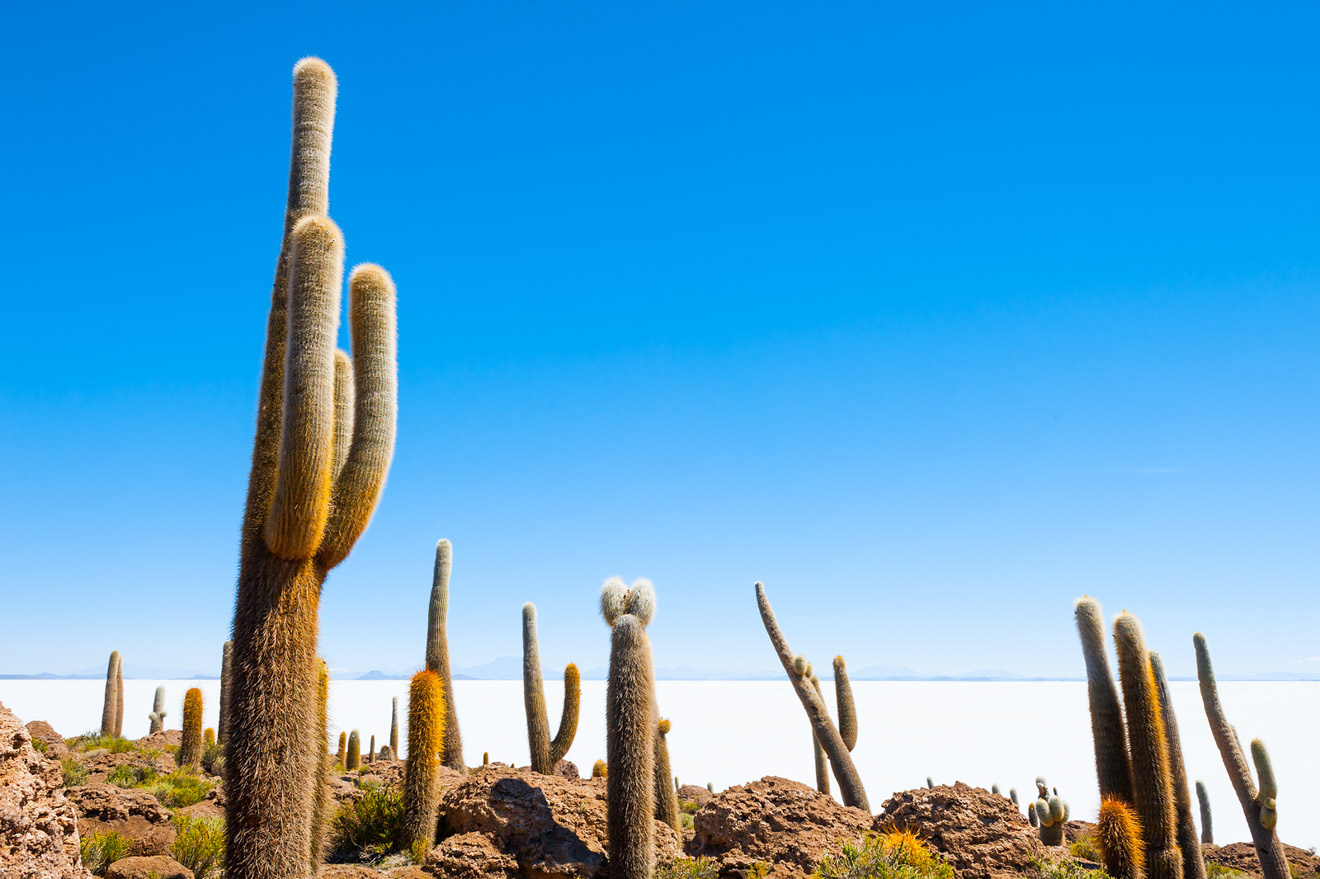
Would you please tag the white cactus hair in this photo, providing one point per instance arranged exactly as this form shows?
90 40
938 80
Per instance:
641 600
613 599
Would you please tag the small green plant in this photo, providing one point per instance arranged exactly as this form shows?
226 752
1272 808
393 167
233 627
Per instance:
758 869
895 854
95 741
100 850
418 851
74 772
39 745
370 825
128 775
199 844
213 759
1067 868
179 789
1215 870
687 868
1084 847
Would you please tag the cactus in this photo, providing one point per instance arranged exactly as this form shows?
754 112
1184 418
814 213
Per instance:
371 752
994 789
817 752
226 666
710 786
158 712
930 785
437 654
307 502
354 759
1031 815
666 793
1188 843
385 754
599 769
1207 826
1113 768
630 730
845 773
394 727
1012 795
190 750
843 697
421 773
321 789
208 738
111 703
1051 812
119 701
1118 834
545 753
485 758
1257 804
1149 752
342 755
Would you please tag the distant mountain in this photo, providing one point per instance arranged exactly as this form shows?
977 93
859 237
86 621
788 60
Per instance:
377 675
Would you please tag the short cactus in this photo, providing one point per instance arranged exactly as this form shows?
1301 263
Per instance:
208 738
1051 814
353 761
1188 843
930 784
599 769
1012 795
994 789
1207 827
371 752
385 754
710 786
190 750
394 728
342 756
437 655
421 775
485 758
158 712
1118 835
666 796
111 704
546 753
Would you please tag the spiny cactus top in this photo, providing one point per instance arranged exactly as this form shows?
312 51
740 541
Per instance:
617 599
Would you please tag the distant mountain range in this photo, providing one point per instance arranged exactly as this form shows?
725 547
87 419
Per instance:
509 668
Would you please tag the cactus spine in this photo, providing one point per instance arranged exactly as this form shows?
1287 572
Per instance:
342 755
1207 827
354 759
845 773
226 666
1113 768
394 728
421 773
437 654
1149 752
321 792
545 753
307 504
1118 833
158 712
111 703
666 796
1257 804
1188 844
630 729
190 751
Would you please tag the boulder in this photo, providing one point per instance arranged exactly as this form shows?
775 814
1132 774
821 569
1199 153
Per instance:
1242 856
154 867
135 814
470 856
38 824
552 827
691 793
45 733
567 769
981 834
788 825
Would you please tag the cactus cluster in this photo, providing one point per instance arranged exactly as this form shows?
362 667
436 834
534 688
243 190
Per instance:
1048 813
545 752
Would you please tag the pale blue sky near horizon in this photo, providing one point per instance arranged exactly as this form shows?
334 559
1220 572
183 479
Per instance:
932 318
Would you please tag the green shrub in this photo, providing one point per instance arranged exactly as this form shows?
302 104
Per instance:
39 746
200 844
94 741
687 868
74 772
896 854
1084 847
179 789
128 775
1215 870
213 759
418 851
1067 868
369 826
100 850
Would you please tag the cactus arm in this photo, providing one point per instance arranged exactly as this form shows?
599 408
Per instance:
1269 788
850 784
1188 843
1112 765
375 382
843 698
226 673
538 725
568 720
817 752
666 796
300 506
437 654
1207 823
343 435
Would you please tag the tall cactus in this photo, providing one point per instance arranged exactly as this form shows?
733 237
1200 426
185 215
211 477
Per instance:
1207 825
818 757
666 787
226 671
321 793
1149 751
1188 844
843 698
111 703
845 773
1258 805
158 712
190 750
307 502
630 730
119 701
353 762
545 753
421 773
1113 768
394 728
437 654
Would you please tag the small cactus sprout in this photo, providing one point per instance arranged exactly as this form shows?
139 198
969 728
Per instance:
666 794
599 769
158 712
111 703
190 751
630 731
421 774
342 755
546 753
437 655
1188 843
799 665
1012 795
208 738
1207 827
1118 835
485 758
394 728
353 761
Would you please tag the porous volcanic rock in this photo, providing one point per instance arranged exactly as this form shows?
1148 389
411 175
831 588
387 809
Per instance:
166 738
1242 856
153 867
353 871
788 825
691 793
38 824
553 827
45 733
470 856
567 769
100 762
981 834
1074 830
135 814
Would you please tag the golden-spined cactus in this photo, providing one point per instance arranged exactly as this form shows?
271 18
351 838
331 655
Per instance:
1188 842
353 761
546 753
208 738
190 749
1118 834
421 773
342 754
1258 804
321 792
845 773
308 500
666 788
437 655
599 769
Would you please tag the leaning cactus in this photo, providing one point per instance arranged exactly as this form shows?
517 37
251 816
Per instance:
437 655
546 753
630 729
190 750
421 774
1258 804
1188 843
158 712
312 488
850 783
354 760
1051 813
1207 827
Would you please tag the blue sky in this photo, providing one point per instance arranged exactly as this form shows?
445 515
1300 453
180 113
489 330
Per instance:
932 318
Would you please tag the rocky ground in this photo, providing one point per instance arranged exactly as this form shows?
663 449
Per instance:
502 822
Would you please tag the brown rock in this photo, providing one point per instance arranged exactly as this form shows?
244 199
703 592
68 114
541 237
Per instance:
1074 830
470 856
788 825
135 814
1242 856
38 824
981 834
45 733
167 738
154 867
552 827
691 793
567 769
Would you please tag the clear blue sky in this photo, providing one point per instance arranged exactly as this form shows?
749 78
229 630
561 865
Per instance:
932 317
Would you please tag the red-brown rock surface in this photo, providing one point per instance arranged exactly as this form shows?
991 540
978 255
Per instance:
135 814
691 793
45 733
788 825
38 825
1242 856
470 856
981 834
154 867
